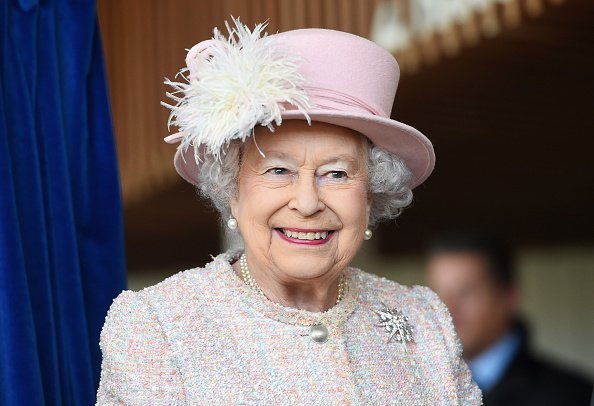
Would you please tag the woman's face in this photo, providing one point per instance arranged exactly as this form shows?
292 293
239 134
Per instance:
302 209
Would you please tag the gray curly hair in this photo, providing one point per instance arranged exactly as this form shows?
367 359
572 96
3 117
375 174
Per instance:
388 184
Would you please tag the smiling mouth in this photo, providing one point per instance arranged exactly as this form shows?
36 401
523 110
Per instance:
305 236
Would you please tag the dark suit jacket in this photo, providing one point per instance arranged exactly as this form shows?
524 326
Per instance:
532 381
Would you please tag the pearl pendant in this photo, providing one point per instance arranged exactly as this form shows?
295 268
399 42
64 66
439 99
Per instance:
232 223
367 235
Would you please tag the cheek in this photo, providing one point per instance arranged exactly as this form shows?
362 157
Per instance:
256 202
351 206
478 313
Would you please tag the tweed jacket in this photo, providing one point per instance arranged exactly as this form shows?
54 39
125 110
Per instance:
204 337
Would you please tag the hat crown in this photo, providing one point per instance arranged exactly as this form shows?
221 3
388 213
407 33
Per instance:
343 70
313 74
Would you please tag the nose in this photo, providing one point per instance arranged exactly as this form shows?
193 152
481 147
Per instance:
306 197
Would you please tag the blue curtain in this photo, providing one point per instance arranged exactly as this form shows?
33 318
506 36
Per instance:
61 238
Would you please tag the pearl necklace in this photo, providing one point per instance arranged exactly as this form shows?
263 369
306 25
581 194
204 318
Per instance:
251 282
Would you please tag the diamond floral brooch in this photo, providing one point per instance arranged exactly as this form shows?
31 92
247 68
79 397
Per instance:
396 325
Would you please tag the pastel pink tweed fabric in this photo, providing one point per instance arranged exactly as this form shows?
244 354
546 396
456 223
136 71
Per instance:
203 337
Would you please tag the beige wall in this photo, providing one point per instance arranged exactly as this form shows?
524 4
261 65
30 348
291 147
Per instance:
558 296
558 288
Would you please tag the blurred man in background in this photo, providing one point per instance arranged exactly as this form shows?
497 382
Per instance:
474 275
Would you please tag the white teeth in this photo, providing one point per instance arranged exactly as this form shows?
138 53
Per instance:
306 236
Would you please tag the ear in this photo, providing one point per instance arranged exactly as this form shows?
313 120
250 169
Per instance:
234 206
368 209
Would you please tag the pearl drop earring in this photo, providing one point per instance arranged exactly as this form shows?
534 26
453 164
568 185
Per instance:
367 235
232 223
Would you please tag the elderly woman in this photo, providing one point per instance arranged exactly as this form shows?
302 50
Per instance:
287 321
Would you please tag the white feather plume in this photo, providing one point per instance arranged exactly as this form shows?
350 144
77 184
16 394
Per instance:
235 84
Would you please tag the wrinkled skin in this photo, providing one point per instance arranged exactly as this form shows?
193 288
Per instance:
311 178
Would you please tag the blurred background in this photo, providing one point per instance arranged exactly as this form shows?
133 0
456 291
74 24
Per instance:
504 90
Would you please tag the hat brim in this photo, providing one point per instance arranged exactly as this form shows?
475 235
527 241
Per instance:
400 139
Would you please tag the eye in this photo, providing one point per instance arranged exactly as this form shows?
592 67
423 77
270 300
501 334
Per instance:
337 174
278 171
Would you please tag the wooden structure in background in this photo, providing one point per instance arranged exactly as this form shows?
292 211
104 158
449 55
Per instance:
510 119
145 40
511 123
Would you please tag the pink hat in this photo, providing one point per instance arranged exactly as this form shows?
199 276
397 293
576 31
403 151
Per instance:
345 80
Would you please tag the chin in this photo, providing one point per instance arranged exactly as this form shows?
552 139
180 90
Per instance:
304 265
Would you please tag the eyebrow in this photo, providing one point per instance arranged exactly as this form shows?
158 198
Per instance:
350 160
278 155
338 158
